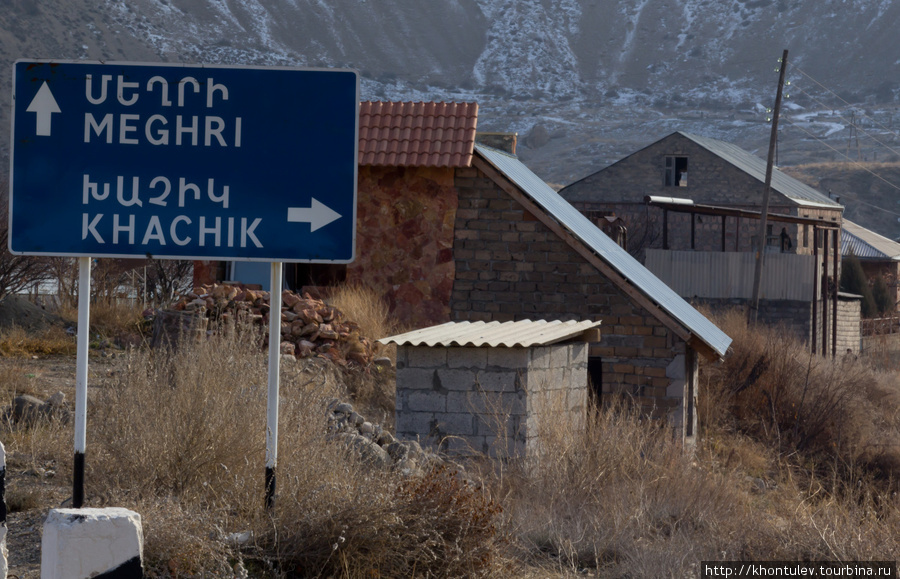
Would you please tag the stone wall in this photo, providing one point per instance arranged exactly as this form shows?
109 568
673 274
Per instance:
510 266
404 243
404 240
488 400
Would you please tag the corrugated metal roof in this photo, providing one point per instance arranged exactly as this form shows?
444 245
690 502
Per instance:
791 188
417 134
865 243
598 242
520 334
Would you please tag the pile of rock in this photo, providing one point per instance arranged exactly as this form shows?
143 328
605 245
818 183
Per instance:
377 446
26 410
309 326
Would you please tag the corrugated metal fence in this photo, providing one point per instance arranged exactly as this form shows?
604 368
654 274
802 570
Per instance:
729 275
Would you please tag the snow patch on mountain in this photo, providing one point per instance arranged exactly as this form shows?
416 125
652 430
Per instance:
527 49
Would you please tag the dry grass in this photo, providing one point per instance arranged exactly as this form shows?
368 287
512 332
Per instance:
16 342
798 461
620 498
123 324
181 439
366 308
837 414
372 390
15 379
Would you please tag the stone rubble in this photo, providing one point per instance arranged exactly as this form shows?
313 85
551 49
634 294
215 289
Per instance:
378 447
26 410
309 326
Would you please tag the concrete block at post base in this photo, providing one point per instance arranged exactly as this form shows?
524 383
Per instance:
98 543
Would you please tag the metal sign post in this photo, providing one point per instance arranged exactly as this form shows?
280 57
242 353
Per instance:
81 377
274 382
183 162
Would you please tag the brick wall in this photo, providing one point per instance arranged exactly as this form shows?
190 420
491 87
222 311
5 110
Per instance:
509 266
489 400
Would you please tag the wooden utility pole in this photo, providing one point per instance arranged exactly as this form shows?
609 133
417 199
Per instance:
762 241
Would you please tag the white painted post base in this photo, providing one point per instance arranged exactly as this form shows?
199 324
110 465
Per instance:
82 543
4 554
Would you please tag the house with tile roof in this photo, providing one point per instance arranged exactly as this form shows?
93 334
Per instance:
452 230
406 205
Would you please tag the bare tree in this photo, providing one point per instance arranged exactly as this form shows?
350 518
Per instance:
161 281
17 272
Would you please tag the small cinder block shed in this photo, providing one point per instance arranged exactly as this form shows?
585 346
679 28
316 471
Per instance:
489 386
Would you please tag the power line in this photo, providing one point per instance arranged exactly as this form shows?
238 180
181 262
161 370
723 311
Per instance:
851 161
804 73
851 123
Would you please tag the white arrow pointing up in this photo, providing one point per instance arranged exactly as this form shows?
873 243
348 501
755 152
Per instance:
318 215
44 105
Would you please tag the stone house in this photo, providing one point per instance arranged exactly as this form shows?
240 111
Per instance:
451 230
522 252
406 206
685 194
720 174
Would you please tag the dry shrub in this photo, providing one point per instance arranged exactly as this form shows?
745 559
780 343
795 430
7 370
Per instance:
122 323
16 342
365 307
830 411
373 389
15 378
169 422
621 496
180 437
384 525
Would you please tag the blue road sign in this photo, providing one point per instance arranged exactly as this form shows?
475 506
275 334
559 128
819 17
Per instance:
183 161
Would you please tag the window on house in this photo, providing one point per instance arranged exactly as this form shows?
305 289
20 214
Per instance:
772 238
676 171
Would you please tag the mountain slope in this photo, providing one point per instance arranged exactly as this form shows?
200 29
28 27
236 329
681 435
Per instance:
601 78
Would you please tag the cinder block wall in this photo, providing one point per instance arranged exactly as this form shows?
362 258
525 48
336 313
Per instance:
488 400
848 322
510 266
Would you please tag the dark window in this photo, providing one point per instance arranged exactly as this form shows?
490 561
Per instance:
595 380
297 275
772 239
786 243
676 171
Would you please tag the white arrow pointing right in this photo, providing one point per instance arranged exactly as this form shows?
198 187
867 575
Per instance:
317 215
44 105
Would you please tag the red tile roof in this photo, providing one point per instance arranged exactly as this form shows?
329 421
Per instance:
417 134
